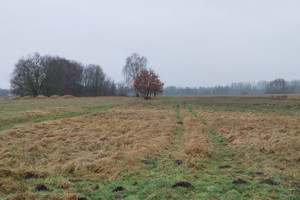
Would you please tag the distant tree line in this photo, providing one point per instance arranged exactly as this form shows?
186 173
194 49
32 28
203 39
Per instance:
53 75
48 75
4 92
278 86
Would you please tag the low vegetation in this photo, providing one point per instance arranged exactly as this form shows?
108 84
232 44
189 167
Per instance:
165 148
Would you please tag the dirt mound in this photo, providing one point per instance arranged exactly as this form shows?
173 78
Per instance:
269 181
118 189
31 175
239 181
179 162
224 166
41 187
55 97
27 97
260 173
41 97
182 184
68 97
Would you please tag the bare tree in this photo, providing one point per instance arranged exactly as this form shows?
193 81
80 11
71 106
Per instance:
48 75
277 86
134 65
62 76
122 89
28 77
93 80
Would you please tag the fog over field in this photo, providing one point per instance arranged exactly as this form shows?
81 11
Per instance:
188 43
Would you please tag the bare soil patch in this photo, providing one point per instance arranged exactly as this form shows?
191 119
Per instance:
184 184
270 182
118 189
239 181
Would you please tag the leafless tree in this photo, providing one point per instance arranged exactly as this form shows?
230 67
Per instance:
50 75
62 76
277 86
122 89
93 80
134 65
28 77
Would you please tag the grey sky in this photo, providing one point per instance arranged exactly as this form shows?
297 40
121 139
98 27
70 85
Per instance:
188 42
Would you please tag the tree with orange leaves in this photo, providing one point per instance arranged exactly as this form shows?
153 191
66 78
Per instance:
147 83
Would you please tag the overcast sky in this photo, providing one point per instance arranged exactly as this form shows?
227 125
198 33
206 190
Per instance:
188 42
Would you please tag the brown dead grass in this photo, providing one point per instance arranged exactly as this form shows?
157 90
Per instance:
55 97
196 146
68 97
272 141
27 97
98 145
15 98
41 97
23 196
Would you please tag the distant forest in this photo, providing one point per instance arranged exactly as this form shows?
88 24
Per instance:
263 87
278 86
49 75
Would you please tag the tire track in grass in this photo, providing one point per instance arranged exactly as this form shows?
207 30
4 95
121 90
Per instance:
230 181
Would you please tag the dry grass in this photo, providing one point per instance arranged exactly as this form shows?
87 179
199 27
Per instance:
67 97
18 112
23 196
271 142
117 142
27 97
15 98
103 144
41 97
196 146
55 97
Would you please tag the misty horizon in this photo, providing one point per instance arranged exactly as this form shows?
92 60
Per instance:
188 43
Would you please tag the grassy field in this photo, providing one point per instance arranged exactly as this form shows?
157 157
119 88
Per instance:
229 147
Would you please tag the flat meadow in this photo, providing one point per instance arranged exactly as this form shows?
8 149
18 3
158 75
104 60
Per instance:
173 147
